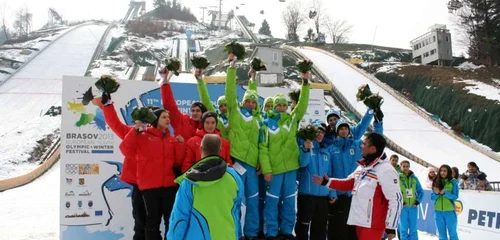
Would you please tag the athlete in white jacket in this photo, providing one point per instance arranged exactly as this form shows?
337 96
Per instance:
377 199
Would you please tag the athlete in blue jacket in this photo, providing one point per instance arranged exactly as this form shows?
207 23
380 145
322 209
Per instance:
344 154
333 116
412 197
313 199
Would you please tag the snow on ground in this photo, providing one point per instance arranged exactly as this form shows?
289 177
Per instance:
389 68
32 211
183 48
469 66
482 89
117 69
403 125
15 150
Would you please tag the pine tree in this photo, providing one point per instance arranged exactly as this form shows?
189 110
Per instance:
265 29
159 3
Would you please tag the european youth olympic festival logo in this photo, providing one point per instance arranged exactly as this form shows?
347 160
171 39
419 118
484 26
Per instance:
86 118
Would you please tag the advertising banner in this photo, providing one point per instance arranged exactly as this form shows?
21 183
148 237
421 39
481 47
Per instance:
94 203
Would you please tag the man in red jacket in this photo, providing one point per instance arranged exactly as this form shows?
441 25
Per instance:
193 145
129 169
185 124
376 195
157 153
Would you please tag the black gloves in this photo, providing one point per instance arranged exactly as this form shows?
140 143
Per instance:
379 115
417 203
105 97
305 81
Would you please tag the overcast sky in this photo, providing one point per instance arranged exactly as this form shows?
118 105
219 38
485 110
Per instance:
397 22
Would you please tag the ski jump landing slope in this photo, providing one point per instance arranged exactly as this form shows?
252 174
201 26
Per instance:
402 124
38 86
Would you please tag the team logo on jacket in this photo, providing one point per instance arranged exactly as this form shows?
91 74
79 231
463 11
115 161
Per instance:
325 158
352 152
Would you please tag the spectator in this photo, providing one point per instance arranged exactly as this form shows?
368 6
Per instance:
207 205
455 173
431 175
412 196
470 179
312 214
394 162
444 193
157 153
193 150
377 199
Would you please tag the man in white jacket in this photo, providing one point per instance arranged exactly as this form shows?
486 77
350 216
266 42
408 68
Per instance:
377 200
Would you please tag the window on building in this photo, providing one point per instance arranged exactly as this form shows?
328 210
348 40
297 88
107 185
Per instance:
433 51
447 39
434 39
275 57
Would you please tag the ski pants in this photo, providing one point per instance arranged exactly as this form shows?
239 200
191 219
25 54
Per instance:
251 181
159 203
313 212
262 198
284 186
408 223
369 233
338 213
446 221
138 213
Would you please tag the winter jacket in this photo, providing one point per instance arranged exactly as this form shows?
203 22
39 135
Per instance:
313 163
245 132
182 123
345 152
129 169
279 152
428 181
446 201
208 202
157 154
411 189
193 150
472 182
357 131
376 196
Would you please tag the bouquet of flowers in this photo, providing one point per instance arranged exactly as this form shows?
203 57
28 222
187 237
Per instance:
200 62
304 65
173 64
309 132
258 64
144 115
294 95
371 100
87 97
235 48
107 84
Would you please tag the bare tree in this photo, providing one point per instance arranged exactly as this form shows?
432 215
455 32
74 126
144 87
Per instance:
3 19
293 18
338 30
22 21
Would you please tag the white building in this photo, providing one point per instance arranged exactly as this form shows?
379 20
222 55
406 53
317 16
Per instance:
434 47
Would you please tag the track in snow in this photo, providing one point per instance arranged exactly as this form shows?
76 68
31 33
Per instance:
38 86
401 124
183 48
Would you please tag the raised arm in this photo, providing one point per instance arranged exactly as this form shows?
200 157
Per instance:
231 97
117 126
181 212
359 130
204 95
168 101
303 103
389 181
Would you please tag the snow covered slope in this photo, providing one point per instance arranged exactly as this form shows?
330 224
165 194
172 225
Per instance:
401 124
38 85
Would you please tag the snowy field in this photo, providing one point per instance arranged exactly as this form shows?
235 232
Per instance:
401 124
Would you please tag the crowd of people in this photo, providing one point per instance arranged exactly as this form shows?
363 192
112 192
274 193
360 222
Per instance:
241 153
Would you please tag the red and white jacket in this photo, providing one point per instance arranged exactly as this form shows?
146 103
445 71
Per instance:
376 195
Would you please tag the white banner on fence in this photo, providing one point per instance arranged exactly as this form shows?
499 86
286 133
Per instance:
95 204
478 215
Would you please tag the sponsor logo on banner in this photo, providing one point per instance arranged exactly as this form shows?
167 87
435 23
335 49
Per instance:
80 203
69 194
76 215
81 181
88 169
68 205
85 193
71 169
69 181
459 206
98 213
90 204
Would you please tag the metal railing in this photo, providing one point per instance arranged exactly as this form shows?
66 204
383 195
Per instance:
411 105
496 186
99 49
340 99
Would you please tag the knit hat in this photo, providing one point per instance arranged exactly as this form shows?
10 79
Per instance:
157 113
207 115
332 112
268 100
251 95
320 125
342 123
200 105
221 100
279 99
431 169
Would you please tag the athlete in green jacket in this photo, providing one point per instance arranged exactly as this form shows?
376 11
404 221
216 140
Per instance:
279 160
245 134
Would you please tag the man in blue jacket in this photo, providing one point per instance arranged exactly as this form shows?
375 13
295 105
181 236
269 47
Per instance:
344 154
333 116
313 199
412 197
207 204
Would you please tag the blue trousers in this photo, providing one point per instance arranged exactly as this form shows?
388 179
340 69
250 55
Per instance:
279 206
408 223
446 221
251 181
